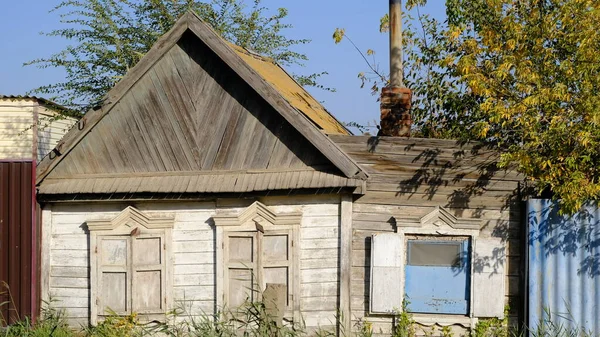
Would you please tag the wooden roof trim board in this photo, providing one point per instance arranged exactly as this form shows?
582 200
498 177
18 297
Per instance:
190 21
241 182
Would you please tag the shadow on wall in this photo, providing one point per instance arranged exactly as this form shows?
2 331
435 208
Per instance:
575 238
461 173
17 137
466 179
564 266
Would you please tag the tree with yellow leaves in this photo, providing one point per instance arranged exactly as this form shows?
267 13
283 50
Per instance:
535 64
521 75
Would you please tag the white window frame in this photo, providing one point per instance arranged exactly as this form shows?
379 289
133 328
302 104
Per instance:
260 219
130 222
441 223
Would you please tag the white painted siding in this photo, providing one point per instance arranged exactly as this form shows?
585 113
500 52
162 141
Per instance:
16 136
51 129
16 128
194 254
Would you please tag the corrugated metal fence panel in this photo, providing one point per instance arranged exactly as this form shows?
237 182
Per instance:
564 267
15 239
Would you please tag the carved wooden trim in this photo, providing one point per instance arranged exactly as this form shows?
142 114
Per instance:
439 216
260 214
130 216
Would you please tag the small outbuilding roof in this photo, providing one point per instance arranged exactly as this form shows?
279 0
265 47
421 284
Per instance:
43 102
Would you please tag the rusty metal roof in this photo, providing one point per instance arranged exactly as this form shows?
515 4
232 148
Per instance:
291 91
197 182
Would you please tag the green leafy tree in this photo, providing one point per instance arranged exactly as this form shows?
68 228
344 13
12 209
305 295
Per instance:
442 108
110 36
520 75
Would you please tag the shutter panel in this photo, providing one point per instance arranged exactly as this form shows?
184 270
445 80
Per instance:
387 261
240 254
489 261
276 260
113 275
148 268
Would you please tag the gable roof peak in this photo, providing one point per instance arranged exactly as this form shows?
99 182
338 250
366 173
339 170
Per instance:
266 79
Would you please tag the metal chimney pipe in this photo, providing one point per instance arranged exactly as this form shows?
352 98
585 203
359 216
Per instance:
396 75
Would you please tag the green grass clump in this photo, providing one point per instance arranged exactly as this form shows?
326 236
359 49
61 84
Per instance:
252 320
51 323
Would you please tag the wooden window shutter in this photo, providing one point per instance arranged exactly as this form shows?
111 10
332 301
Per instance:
114 277
489 260
387 260
148 273
276 261
241 268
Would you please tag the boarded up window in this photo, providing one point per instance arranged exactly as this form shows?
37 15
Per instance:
114 274
130 262
131 274
386 273
436 274
489 276
253 260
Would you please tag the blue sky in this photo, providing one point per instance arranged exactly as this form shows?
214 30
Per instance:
22 21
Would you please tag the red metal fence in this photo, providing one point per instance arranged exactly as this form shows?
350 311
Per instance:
17 247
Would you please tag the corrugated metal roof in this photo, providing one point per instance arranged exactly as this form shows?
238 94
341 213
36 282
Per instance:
20 97
197 182
291 91
46 103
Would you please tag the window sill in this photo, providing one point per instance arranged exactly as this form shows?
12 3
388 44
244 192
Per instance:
442 320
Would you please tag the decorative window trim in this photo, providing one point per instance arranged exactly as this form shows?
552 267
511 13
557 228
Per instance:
440 222
258 217
438 219
128 223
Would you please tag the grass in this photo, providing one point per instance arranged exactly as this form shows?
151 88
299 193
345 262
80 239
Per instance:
251 319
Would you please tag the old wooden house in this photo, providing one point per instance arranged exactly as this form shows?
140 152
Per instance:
209 172
29 128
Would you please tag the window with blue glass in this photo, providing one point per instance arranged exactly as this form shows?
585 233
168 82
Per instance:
437 275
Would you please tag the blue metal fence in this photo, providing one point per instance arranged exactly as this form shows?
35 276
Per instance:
564 267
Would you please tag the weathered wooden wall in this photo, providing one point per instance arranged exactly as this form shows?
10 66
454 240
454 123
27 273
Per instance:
66 252
408 179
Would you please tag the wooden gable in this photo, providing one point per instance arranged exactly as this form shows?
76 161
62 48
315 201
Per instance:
190 115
